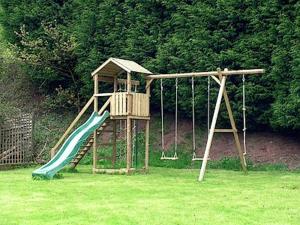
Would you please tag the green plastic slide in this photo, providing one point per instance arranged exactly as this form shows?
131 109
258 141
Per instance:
70 147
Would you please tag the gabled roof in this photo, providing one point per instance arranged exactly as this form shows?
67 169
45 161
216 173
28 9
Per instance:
114 66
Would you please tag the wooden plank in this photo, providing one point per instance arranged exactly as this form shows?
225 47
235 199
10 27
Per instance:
129 99
114 136
103 95
140 117
129 104
118 104
114 140
124 81
112 105
147 145
119 81
123 103
148 105
131 117
124 97
216 79
129 144
145 106
205 74
104 106
96 108
69 129
149 83
135 105
212 128
225 130
147 130
139 104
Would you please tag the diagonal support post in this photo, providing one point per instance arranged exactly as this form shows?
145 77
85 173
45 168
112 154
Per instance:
233 126
212 127
222 93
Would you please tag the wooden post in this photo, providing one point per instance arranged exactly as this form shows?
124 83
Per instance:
96 91
72 125
147 128
235 134
147 145
212 127
114 150
129 132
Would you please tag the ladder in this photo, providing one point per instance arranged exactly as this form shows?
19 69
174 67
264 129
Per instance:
88 145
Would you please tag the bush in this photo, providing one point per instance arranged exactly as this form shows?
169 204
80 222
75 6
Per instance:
61 100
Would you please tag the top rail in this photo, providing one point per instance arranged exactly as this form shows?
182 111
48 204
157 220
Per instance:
206 74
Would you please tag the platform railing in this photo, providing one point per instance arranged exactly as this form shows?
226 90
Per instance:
139 104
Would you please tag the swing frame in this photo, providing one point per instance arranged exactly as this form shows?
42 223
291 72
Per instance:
220 78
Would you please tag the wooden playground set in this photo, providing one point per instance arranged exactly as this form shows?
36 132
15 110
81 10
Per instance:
128 104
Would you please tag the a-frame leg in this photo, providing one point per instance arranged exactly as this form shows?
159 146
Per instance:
235 134
222 92
212 128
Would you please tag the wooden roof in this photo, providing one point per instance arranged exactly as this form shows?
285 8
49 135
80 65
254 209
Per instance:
114 66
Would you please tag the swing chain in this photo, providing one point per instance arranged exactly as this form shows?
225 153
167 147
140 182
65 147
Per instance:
193 116
176 116
163 156
162 115
244 119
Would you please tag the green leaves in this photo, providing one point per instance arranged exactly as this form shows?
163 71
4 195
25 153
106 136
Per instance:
66 40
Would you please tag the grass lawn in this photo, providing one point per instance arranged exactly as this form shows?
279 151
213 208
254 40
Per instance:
165 196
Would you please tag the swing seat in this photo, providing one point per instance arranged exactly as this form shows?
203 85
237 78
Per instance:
198 159
163 157
195 158
169 158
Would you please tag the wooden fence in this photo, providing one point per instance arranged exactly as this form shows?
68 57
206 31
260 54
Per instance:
16 140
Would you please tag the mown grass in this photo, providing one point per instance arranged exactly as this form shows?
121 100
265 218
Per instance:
164 196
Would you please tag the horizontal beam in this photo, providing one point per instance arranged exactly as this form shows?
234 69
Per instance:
131 117
124 81
206 74
103 95
119 81
225 130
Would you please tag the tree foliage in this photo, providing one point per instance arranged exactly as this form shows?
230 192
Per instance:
167 36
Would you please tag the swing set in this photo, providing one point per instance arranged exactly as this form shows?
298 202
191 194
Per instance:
194 154
220 78
129 105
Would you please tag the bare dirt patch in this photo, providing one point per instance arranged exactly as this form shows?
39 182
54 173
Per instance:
262 147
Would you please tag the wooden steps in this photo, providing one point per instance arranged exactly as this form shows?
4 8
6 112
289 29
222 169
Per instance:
88 144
